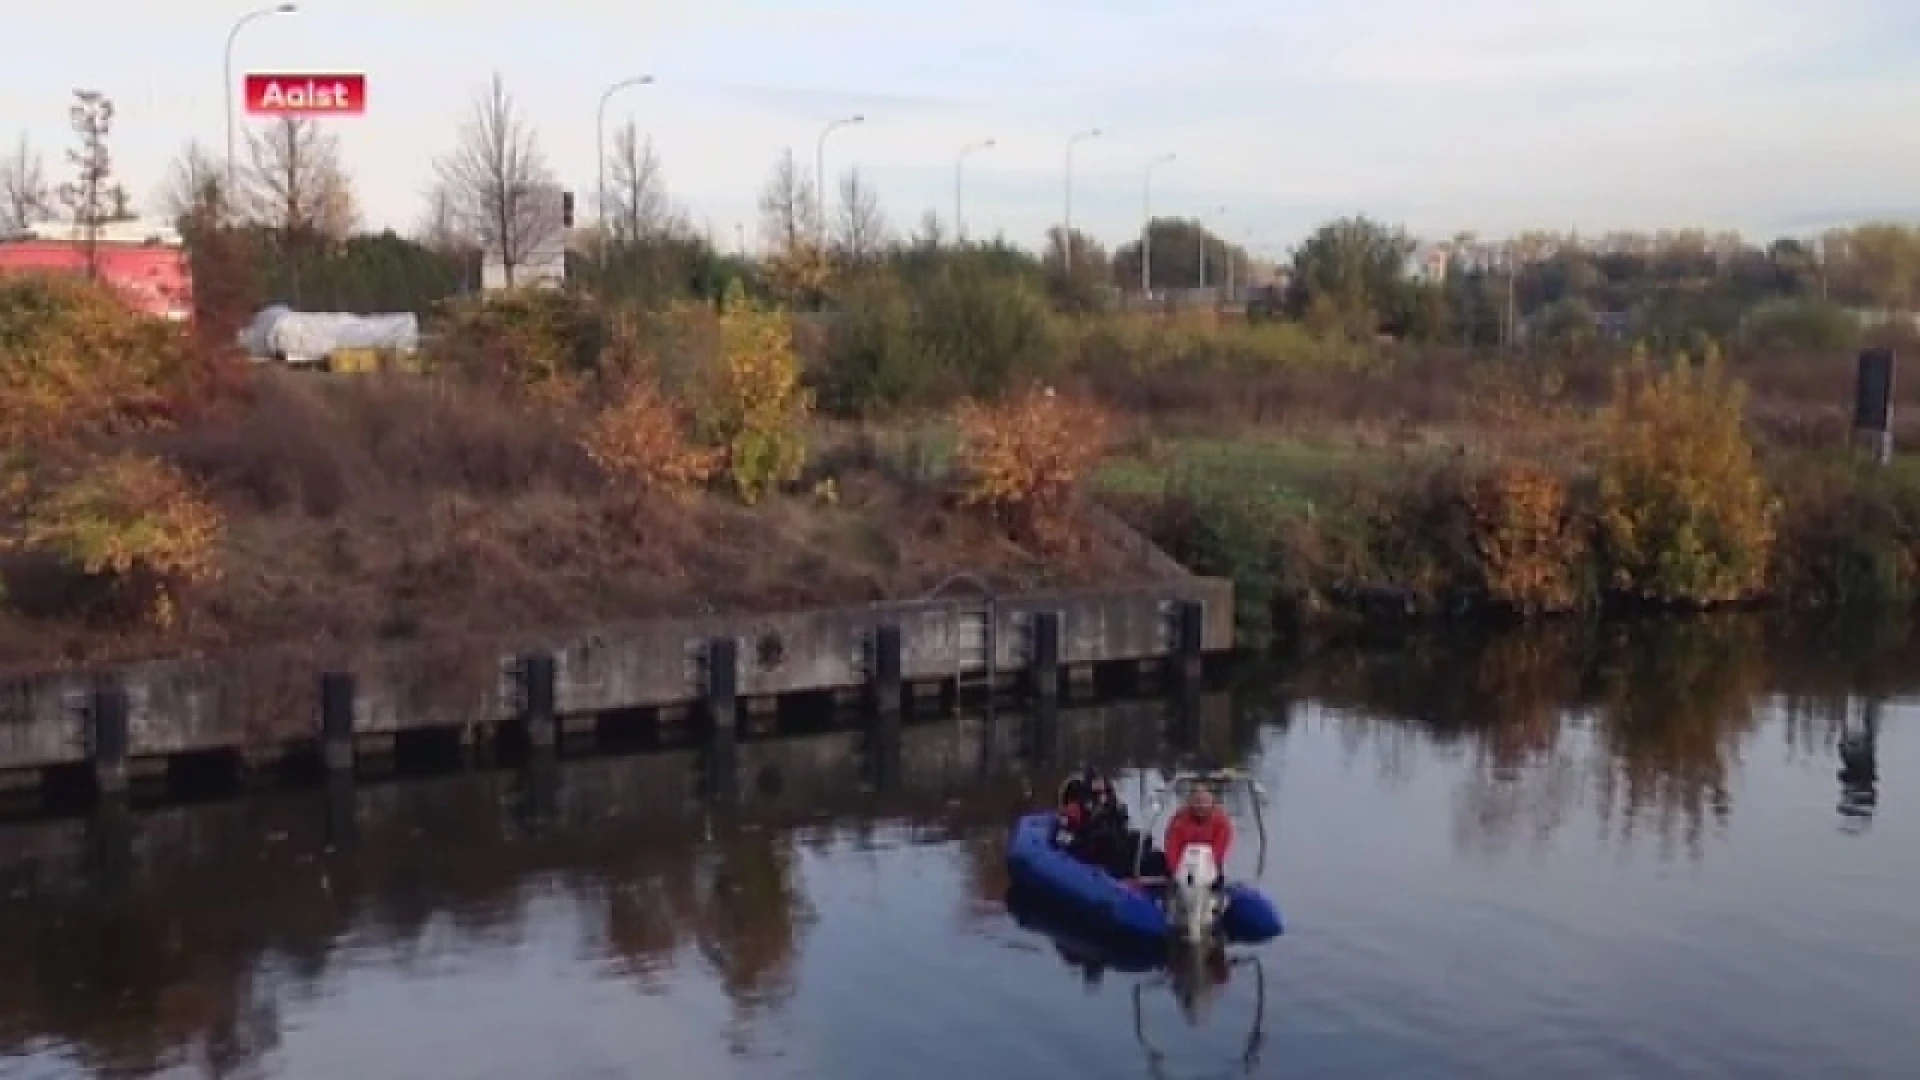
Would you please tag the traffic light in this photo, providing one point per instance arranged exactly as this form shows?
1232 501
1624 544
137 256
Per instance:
566 209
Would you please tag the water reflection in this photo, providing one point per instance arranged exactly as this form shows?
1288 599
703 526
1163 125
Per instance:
1644 724
853 882
1860 767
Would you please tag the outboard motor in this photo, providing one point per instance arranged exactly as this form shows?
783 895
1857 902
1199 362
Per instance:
1193 900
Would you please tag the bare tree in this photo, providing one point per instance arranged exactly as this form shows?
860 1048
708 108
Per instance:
195 188
498 183
859 228
788 209
929 236
440 228
637 202
88 195
789 223
25 198
295 184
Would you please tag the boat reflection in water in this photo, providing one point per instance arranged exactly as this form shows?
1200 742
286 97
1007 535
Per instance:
1196 977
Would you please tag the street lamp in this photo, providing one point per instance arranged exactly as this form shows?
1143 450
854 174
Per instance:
232 34
1146 227
820 168
1066 239
600 137
959 163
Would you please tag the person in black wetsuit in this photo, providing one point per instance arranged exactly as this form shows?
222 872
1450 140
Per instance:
1093 828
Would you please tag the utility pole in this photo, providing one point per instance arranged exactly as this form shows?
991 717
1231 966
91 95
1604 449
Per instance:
238 24
1066 238
1146 224
820 171
959 170
600 141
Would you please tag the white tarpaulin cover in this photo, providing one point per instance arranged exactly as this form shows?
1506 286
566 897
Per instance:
310 335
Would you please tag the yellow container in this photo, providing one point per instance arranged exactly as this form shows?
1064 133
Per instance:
368 361
354 361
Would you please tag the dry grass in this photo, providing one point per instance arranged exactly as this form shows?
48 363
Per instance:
369 507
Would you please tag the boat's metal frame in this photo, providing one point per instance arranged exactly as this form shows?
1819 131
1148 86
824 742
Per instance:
1173 792
1256 1038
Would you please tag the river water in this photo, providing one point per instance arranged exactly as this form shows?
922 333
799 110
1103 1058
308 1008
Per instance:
1626 853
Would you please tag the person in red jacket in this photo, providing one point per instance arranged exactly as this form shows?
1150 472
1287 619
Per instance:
1201 822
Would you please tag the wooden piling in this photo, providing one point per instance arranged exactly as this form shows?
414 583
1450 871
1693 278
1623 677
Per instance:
886 693
111 737
1043 659
336 720
1188 662
539 674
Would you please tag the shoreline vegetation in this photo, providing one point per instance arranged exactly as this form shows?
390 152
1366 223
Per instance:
1632 422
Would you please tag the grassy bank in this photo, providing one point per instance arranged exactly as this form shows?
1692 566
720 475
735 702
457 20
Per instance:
1613 514
159 498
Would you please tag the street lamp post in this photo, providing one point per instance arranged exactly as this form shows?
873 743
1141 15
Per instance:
1066 238
232 35
820 169
600 139
959 164
1146 224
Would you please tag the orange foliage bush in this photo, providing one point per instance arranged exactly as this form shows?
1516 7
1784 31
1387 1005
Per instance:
76 362
78 368
641 440
1530 549
1023 459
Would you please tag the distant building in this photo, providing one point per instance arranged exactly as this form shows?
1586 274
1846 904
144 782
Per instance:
544 264
146 263
1428 263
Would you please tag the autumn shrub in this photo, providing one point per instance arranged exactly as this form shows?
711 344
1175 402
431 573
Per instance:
542 342
1024 459
1685 514
77 363
1532 549
751 403
641 441
133 528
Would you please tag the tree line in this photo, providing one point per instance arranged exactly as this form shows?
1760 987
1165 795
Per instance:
290 231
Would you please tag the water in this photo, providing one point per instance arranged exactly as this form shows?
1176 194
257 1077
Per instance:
1539 857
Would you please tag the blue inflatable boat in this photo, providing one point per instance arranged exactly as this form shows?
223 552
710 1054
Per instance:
1112 907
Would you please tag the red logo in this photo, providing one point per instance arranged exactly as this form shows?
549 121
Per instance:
306 95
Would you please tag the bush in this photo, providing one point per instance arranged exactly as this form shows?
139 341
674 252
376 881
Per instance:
751 403
544 342
1685 514
1849 537
133 527
1531 550
1025 458
990 332
641 440
77 363
1800 324
958 329
875 357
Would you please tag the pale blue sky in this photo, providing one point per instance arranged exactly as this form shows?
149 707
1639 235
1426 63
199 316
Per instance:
1488 115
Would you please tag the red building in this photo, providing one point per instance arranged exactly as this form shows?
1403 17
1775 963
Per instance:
145 264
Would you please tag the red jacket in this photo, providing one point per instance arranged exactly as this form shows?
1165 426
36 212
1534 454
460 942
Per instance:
1216 831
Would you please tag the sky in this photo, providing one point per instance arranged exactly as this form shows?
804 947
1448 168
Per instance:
1490 116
